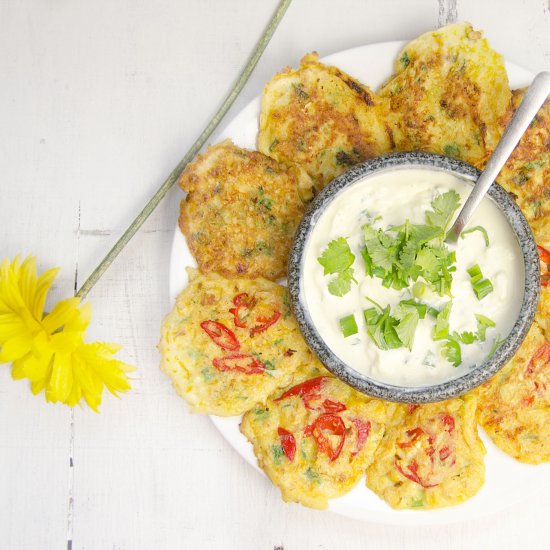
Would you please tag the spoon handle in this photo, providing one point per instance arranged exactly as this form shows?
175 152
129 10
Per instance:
532 102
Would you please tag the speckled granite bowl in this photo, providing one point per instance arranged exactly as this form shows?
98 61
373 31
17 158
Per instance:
436 392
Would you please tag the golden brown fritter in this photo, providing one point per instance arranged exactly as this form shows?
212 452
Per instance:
527 173
431 456
315 440
229 343
514 406
241 211
448 93
321 119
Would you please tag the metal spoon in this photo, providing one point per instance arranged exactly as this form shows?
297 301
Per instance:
532 102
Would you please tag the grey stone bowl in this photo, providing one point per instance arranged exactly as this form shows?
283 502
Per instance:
447 389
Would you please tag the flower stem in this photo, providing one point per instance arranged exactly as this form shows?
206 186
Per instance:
195 148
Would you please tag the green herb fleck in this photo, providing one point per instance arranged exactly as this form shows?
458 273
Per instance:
264 200
208 374
278 453
261 414
312 475
262 246
299 90
451 150
417 503
274 144
405 59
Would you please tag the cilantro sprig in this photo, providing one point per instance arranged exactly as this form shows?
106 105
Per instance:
337 259
404 253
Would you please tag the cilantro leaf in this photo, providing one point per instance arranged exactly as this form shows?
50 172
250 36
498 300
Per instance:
441 329
341 284
336 257
408 317
452 352
483 323
444 206
465 337
381 328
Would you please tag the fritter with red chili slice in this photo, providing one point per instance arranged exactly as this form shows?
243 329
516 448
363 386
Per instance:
448 93
526 174
229 343
514 406
241 211
541 229
321 119
430 457
316 439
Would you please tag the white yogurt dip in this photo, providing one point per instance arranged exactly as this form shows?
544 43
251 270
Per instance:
388 199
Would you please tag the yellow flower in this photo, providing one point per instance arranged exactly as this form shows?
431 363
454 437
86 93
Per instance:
49 348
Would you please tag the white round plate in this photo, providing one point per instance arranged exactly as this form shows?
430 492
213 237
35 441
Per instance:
507 481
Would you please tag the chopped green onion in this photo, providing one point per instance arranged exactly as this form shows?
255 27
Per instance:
475 273
348 325
481 286
433 311
482 230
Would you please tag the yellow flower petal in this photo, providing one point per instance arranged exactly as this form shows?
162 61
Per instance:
81 320
15 348
61 380
38 367
18 368
44 283
62 313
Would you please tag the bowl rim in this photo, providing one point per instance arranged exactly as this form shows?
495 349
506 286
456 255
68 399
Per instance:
443 390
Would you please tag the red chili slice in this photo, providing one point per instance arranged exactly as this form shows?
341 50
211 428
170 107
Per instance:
545 258
411 407
288 443
310 386
221 335
544 254
413 434
412 474
312 402
448 422
542 353
243 304
333 424
266 322
363 431
444 453
240 362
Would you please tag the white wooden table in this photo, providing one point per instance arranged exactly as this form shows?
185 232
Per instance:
98 102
